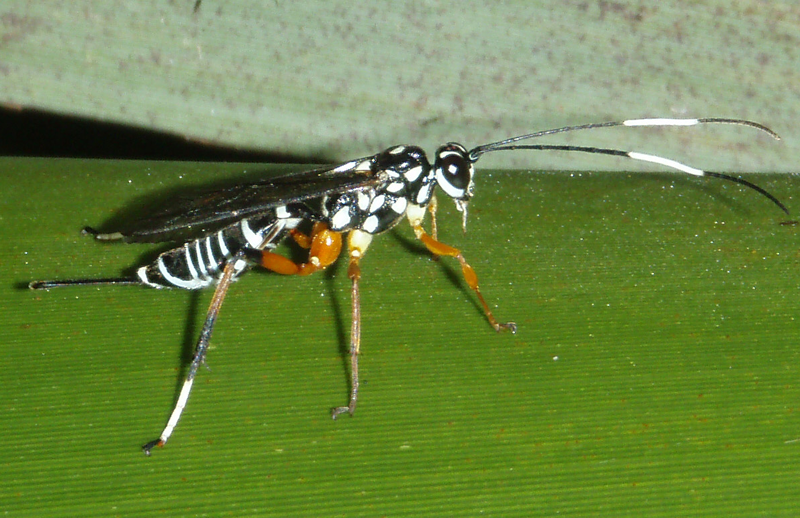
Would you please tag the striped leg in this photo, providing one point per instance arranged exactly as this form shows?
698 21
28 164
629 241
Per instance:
200 351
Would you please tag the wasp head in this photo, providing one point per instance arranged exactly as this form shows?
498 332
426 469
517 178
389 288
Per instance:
454 170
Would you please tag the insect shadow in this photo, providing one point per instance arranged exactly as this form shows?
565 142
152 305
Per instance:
686 184
452 274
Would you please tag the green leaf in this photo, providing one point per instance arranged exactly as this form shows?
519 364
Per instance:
655 371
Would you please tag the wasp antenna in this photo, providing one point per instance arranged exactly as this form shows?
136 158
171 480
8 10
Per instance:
644 157
510 144
753 186
699 172
707 120
475 153
741 122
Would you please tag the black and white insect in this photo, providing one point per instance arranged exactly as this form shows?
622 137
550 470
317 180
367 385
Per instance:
222 233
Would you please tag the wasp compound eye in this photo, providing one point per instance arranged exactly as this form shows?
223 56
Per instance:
454 171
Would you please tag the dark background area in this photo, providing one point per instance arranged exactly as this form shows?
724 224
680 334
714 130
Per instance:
38 133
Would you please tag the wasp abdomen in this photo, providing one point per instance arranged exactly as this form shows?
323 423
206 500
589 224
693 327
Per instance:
199 263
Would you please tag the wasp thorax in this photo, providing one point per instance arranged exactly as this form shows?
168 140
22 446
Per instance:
453 170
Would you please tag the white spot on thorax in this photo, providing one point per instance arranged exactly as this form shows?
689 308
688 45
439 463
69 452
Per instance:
399 205
394 187
370 224
424 193
413 173
362 200
342 218
377 203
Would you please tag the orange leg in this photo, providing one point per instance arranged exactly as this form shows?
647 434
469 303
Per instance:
439 248
324 247
433 205
304 240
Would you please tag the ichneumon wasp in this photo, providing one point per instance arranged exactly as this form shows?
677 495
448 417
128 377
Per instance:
226 231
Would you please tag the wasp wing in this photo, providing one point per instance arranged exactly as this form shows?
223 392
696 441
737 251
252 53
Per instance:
205 212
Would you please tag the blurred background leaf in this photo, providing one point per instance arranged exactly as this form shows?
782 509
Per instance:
331 80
